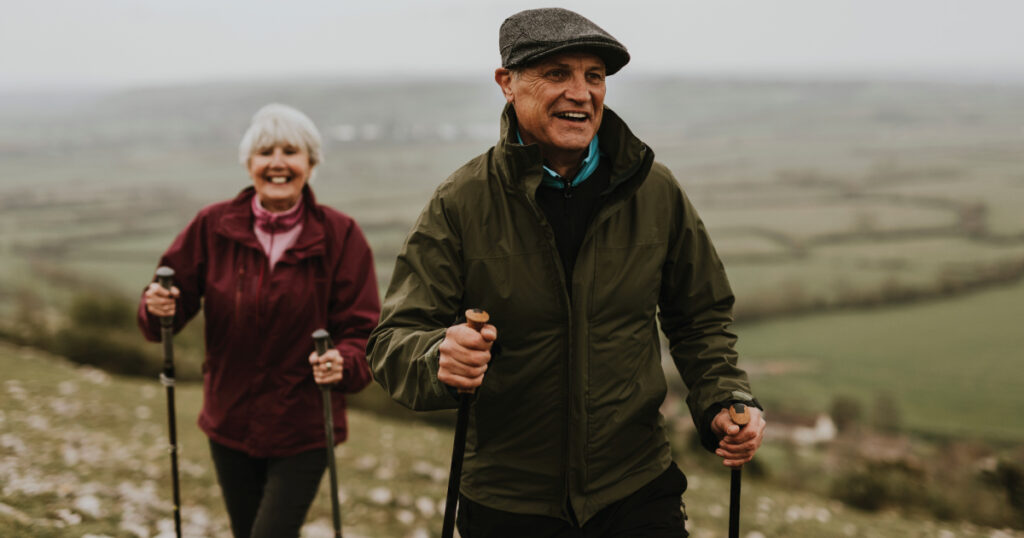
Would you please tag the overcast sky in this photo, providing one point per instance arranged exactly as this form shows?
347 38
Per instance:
112 43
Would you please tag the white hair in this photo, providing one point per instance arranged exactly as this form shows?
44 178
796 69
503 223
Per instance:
276 124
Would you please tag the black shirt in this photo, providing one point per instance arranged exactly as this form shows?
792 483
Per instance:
570 210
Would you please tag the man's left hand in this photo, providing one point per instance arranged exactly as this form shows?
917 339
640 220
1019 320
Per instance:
738 445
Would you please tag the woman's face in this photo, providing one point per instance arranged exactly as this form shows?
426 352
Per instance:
279 172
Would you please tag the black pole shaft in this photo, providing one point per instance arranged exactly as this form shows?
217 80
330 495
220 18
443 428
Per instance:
739 415
322 339
734 503
165 276
455 474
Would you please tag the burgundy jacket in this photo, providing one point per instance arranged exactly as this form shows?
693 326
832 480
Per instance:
258 390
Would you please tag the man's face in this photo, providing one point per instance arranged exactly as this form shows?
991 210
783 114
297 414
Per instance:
558 100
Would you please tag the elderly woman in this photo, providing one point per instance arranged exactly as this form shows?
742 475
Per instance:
268 268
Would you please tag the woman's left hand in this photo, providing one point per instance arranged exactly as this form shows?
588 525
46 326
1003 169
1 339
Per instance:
327 368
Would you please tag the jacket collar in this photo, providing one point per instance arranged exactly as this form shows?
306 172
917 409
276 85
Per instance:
237 223
520 167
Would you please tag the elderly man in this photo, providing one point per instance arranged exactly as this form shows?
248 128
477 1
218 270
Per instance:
574 240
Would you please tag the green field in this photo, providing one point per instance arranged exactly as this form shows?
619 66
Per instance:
952 365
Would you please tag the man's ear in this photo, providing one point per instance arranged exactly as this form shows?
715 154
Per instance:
504 79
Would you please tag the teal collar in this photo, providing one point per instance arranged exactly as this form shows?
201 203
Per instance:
552 179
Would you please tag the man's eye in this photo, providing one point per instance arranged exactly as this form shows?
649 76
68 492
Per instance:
556 74
595 77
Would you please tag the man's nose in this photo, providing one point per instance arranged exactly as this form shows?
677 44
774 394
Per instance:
576 89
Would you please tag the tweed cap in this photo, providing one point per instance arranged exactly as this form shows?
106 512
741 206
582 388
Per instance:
533 34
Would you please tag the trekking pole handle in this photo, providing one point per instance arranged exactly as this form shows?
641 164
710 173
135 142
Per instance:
322 341
739 414
476 318
321 338
165 277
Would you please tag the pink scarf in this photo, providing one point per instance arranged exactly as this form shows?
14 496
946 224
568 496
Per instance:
277 232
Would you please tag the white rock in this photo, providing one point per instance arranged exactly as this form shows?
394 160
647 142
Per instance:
426 506
365 463
69 517
137 529
70 455
380 495
89 505
405 517
38 422
319 529
96 377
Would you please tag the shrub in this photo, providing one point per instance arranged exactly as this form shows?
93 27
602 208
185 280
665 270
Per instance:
876 485
845 412
102 311
85 345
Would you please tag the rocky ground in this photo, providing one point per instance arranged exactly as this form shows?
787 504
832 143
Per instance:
84 453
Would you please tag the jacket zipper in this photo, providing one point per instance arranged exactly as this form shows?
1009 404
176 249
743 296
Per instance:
561 277
567 453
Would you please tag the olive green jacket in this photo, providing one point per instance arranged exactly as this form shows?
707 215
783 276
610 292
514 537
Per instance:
569 405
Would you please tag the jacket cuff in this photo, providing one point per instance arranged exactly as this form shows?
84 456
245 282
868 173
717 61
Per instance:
433 359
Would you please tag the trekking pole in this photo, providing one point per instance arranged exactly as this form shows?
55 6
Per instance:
165 277
322 339
741 417
476 319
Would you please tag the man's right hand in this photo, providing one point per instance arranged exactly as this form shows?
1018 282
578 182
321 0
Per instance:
465 353
159 300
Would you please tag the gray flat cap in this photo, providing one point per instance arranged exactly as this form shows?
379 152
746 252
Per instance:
533 34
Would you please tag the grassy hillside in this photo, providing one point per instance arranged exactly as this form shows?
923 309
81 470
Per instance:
83 453
875 225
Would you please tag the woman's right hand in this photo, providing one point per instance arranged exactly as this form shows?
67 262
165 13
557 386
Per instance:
159 300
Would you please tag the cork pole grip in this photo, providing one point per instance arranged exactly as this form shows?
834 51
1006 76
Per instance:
476 318
739 415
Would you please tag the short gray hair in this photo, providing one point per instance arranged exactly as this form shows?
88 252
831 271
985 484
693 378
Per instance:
275 124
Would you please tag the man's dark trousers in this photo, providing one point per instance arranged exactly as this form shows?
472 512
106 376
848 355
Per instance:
654 511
